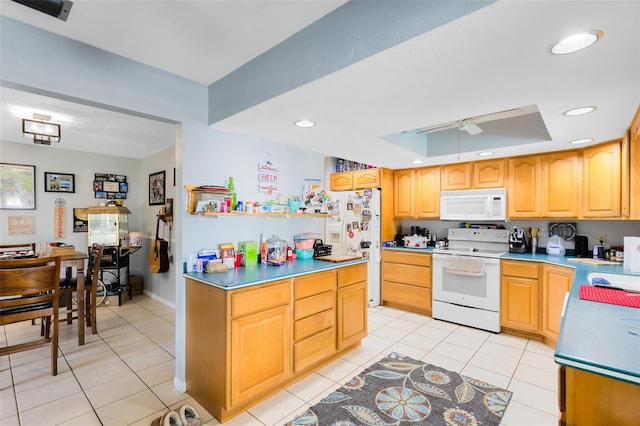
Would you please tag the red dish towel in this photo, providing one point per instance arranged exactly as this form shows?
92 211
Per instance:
607 295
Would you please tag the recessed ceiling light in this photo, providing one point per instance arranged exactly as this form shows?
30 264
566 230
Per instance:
416 162
580 110
305 123
485 154
575 42
583 140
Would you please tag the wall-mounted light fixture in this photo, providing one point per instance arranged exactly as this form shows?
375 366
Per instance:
40 129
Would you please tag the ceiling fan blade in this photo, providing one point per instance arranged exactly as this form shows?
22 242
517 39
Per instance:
472 129
451 125
509 113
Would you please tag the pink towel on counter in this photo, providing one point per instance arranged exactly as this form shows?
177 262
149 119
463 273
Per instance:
464 265
611 296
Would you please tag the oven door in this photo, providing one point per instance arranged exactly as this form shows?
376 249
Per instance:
467 281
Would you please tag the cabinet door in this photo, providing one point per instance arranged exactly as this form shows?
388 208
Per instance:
352 314
634 167
260 352
601 180
519 304
367 178
625 174
427 196
341 181
523 190
561 184
556 282
456 176
488 174
403 190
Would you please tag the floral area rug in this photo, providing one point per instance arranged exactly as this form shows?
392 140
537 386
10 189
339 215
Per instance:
399 390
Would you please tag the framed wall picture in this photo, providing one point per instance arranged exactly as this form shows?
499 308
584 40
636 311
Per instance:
156 188
59 182
17 186
110 186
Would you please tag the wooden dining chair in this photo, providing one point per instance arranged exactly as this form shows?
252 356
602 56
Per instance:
29 289
69 285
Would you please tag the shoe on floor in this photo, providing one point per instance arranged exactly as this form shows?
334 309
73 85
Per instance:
189 416
171 418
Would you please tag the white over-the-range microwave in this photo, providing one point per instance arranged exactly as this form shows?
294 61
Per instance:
474 205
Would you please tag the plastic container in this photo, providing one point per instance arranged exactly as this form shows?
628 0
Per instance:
304 253
555 246
304 241
276 251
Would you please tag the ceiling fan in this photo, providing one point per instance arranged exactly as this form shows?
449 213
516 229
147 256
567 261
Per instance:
470 124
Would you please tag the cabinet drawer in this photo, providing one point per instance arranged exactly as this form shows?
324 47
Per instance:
250 301
314 284
314 304
311 325
407 295
352 274
523 269
314 349
395 256
408 274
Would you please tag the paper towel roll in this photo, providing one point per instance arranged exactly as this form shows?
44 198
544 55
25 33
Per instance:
631 254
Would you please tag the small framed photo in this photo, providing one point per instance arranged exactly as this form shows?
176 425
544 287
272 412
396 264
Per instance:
59 182
156 188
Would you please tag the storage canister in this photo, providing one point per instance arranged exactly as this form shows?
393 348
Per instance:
276 251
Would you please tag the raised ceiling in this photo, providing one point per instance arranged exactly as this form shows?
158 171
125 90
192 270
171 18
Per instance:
491 60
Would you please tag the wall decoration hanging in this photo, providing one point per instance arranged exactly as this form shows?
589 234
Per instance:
80 220
110 186
17 187
21 225
156 188
59 219
268 178
59 182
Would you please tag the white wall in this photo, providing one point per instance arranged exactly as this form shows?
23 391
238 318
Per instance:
83 166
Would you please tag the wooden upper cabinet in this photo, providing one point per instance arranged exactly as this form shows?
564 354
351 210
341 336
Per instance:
634 167
488 174
456 176
625 175
523 189
476 175
367 178
561 184
357 179
341 181
601 180
427 196
403 193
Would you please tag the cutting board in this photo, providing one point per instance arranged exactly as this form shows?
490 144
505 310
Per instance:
338 258
591 261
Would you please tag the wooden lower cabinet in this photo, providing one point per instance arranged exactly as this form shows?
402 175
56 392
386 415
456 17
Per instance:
261 352
520 295
352 305
591 399
245 345
556 283
532 297
406 280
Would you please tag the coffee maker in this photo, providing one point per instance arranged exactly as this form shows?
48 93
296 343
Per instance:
518 241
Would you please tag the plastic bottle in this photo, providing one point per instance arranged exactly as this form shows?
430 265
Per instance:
263 249
232 191
555 246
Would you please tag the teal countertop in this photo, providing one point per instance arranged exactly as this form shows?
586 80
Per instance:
260 274
596 337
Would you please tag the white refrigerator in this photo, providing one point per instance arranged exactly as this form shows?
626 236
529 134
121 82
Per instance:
355 230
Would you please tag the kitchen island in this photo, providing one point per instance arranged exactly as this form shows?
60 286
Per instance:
253 331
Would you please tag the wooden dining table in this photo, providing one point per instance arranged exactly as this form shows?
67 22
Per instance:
69 262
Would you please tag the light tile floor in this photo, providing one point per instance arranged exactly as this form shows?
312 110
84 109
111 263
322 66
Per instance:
124 374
